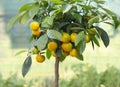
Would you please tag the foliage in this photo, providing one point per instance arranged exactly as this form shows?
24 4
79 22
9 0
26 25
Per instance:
70 16
85 75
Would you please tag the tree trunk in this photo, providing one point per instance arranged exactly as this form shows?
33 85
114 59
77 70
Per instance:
57 72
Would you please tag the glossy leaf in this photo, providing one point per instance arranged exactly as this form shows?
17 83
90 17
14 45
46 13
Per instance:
26 65
94 39
48 53
104 36
42 42
53 34
66 7
79 38
48 21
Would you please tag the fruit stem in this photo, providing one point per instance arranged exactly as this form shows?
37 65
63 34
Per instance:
57 72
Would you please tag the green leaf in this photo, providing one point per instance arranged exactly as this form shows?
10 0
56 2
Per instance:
25 17
81 46
32 38
77 16
104 36
93 20
53 34
79 38
56 1
66 8
34 10
113 15
26 65
25 7
14 20
20 52
42 42
48 53
116 21
94 39
80 57
48 21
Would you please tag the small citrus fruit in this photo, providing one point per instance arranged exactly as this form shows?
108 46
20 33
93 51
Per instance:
40 58
73 37
36 33
67 47
73 52
52 46
87 38
34 25
65 37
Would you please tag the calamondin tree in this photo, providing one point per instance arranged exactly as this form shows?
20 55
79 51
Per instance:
61 28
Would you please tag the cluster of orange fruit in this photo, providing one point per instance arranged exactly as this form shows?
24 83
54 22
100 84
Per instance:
67 46
34 26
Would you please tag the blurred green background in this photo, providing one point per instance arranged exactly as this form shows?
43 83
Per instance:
101 64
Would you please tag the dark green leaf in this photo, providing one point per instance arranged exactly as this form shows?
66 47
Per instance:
42 42
79 38
78 17
25 7
94 39
76 28
48 53
80 57
109 23
104 36
93 20
62 56
26 65
53 34
93 45
116 21
20 52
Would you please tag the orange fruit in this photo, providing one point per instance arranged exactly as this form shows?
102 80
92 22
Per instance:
87 38
36 33
67 47
65 37
52 46
40 58
34 26
73 37
73 52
